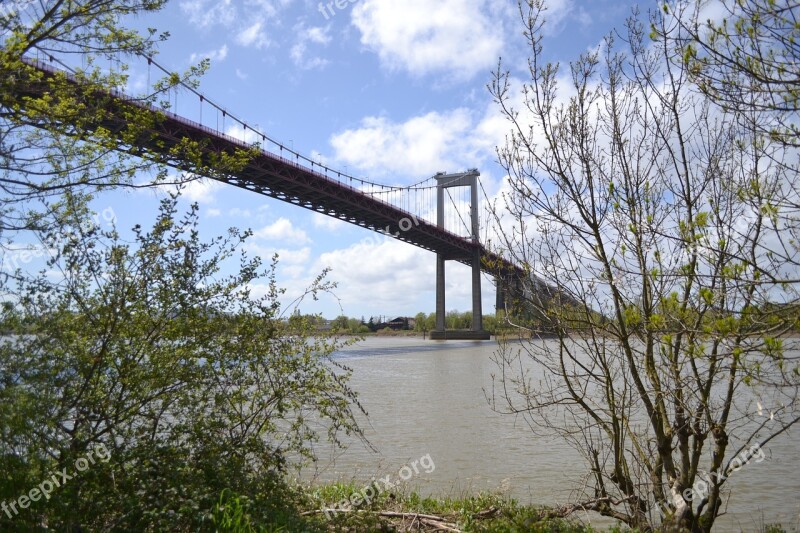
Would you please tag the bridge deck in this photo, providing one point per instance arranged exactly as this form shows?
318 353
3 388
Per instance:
272 175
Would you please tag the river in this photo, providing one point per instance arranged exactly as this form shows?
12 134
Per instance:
427 399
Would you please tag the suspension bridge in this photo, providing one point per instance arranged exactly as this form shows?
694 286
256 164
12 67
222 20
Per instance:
427 214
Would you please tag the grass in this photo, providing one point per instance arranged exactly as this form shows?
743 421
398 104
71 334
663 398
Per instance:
302 510
400 510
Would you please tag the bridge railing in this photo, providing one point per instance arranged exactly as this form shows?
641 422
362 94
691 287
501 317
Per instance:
295 161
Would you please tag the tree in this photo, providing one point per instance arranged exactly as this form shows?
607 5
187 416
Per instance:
456 320
421 322
52 137
354 326
340 323
192 384
431 321
490 324
746 60
655 214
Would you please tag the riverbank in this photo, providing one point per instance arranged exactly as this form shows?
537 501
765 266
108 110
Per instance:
321 509
400 511
507 334
346 508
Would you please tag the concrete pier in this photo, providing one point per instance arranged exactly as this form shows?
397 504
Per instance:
459 335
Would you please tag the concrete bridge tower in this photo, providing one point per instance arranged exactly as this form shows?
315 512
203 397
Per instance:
446 181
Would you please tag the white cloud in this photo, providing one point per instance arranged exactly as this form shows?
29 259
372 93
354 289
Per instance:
282 230
213 212
193 188
294 257
268 8
447 140
318 35
327 223
201 190
245 135
204 13
286 258
457 37
213 55
398 277
253 35
239 212
444 140
418 147
556 13
306 37
392 273
247 17
584 18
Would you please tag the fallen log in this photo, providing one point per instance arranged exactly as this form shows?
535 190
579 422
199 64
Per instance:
434 521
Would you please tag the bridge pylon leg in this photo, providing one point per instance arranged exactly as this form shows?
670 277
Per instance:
444 181
477 307
440 301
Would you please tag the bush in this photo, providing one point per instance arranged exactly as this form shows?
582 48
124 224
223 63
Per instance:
191 385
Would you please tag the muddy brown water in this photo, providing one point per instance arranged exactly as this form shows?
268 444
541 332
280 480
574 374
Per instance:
426 402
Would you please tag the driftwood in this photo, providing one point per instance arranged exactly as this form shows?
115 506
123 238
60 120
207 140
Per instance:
439 523
488 513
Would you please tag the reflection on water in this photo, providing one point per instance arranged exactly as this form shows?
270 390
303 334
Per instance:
427 397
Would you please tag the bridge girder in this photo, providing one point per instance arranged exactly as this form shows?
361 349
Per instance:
265 173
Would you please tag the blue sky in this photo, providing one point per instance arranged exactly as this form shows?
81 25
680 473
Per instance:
393 91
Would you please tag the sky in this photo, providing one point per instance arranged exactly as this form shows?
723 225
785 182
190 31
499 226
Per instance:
391 91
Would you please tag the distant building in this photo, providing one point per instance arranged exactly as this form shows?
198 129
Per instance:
397 324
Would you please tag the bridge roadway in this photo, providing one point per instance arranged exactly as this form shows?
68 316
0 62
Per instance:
266 173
